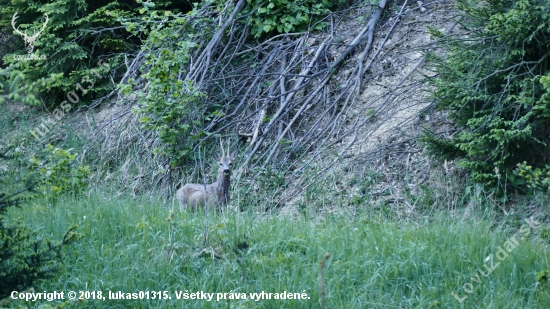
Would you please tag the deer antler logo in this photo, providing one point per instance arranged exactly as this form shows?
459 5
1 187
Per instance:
29 40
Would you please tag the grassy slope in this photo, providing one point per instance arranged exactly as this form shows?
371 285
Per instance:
375 263
129 245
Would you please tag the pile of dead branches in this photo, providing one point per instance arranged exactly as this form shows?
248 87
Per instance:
305 94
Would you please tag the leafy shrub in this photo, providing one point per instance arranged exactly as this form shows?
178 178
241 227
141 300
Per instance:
284 16
16 86
60 173
543 287
537 179
169 105
78 35
69 46
24 259
494 83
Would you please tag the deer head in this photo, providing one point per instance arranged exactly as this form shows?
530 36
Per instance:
225 160
29 40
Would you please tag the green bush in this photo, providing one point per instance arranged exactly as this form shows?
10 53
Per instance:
169 106
16 86
494 83
78 35
24 259
59 173
68 44
284 16
537 179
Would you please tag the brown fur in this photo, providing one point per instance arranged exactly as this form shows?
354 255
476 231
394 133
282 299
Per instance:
197 195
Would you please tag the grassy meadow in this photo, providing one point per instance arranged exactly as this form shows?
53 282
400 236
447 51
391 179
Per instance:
137 244
435 257
358 127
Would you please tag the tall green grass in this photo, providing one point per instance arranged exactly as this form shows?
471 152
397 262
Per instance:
133 245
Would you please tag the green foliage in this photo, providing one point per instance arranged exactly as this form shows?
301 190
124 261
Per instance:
135 243
59 173
67 47
543 285
15 86
77 36
284 16
24 259
170 105
538 178
495 83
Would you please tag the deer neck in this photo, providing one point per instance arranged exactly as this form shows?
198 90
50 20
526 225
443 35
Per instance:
223 187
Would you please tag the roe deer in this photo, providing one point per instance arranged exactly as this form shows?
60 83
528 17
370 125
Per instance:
195 195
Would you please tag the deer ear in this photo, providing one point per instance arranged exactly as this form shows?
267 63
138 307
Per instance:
233 155
217 156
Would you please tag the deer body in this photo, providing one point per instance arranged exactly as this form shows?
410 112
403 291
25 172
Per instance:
197 195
